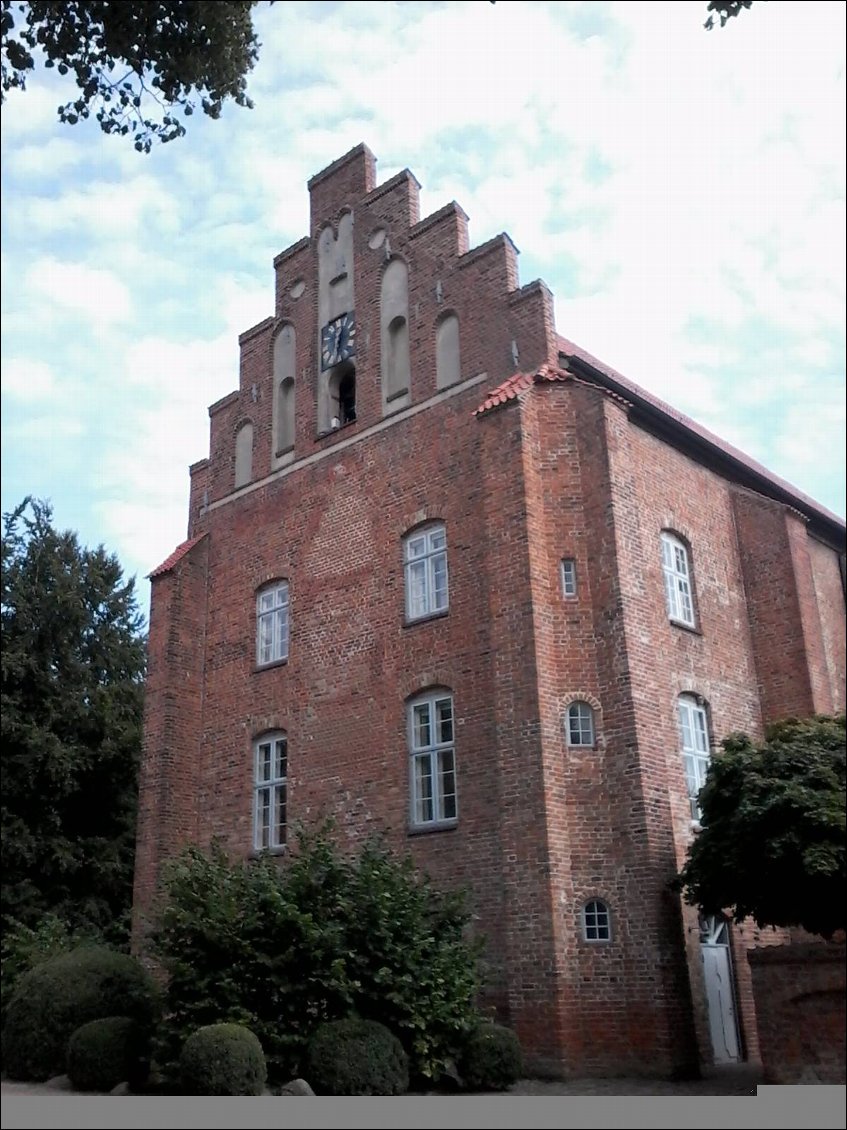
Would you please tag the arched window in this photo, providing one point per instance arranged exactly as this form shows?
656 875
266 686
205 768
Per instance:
284 368
448 368
580 724
596 922
272 623
432 756
696 753
676 566
270 792
425 565
244 456
347 396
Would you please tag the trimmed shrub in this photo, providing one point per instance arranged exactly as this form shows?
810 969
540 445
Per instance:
357 1057
223 1059
491 1059
103 1053
55 998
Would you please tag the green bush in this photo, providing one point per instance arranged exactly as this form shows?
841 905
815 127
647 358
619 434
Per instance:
283 951
24 947
356 1057
223 1059
55 998
105 1052
491 1059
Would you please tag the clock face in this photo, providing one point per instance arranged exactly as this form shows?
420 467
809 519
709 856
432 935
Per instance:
338 340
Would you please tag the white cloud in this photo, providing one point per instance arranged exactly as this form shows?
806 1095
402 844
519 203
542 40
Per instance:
27 379
98 295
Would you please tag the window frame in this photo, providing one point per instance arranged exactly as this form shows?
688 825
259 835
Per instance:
578 704
275 784
695 758
279 647
678 582
433 751
429 558
600 915
567 565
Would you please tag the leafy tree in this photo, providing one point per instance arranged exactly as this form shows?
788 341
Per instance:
725 10
72 670
136 64
772 845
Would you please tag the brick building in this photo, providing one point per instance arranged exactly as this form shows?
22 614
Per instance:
448 575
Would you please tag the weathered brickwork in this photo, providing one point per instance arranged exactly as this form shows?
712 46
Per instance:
559 465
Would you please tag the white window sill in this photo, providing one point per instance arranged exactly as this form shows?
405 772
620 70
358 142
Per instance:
433 826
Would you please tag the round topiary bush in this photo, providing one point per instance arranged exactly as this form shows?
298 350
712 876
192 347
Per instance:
55 998
491 1058
356 1057
223 1059
103 1053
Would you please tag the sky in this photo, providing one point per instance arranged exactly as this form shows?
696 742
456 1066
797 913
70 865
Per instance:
681 191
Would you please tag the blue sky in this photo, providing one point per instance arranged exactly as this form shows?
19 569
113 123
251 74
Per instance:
682 192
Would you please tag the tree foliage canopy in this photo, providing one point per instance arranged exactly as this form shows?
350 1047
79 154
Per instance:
725 10
72 685
772 845
137 65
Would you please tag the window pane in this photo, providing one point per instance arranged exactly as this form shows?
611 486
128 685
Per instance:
263 762
263 818
448 785
416 583
439 581
444 720
281 767
421 736
437 539
423 789
415 547
266 601
279 823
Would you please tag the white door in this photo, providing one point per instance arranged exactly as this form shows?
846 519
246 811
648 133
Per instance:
720 992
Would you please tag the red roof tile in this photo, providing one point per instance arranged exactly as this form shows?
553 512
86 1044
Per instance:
514 385
175 557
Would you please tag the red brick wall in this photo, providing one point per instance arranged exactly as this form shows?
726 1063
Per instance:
800 1002
542 828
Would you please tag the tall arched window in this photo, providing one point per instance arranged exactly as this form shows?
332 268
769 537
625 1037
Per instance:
397 358
284 368
285 416
272 623
696 752
676 565
244 455
432 768
270 792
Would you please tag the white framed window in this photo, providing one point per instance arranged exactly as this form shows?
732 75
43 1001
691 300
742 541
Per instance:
596 922
580 724
567 569
433 759
425 564
677 570
272 623
696 753
270 792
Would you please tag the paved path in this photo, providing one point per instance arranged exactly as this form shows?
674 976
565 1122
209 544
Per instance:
736 1080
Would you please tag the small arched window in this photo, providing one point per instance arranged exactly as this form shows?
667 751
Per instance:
596 922
425 565
696 751
676 566
580 724
285 416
